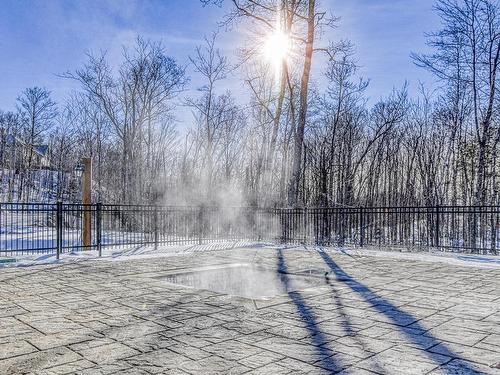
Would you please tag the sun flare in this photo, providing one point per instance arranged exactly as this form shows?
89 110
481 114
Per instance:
276 48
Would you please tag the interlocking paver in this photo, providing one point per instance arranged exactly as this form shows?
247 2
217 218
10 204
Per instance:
270 369
375 315
402 360
68 368
69 337
261 359
472 354
108 353
460 367
232 350
12 349
491 343
39 360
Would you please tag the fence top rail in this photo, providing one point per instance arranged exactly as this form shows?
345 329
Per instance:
106 206
28 207
38 204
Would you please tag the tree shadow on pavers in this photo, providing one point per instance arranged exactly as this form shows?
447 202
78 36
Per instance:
399 317
318 338
347 325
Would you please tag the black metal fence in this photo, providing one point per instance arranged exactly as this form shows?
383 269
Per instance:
43 228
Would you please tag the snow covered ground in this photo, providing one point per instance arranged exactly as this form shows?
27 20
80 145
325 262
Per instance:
117 253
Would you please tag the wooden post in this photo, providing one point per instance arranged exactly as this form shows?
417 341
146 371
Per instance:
87 201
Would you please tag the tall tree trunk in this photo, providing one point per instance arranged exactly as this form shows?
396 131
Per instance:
276 123
301 123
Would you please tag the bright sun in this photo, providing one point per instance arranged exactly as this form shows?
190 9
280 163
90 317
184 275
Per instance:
276 48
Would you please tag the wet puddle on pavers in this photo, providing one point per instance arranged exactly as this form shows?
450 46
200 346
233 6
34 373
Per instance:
243 280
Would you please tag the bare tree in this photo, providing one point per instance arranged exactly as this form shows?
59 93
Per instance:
210 109
140 96
468 53
10 159
37 112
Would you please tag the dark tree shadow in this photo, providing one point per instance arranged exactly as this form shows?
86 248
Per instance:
399 317
347 324
306 313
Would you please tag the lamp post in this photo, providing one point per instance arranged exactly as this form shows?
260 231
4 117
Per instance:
84 171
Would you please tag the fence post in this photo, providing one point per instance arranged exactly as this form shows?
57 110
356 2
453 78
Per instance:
58 229
437 234
361 227
305 225
495 229
155 218
99 227
282 224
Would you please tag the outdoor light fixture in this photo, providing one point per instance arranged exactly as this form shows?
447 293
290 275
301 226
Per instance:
79 168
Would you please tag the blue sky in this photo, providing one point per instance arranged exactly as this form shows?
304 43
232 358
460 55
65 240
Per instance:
42 38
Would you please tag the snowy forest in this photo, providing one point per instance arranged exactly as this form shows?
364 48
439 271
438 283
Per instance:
291 141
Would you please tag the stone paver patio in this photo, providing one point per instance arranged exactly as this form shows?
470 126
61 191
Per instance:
376 315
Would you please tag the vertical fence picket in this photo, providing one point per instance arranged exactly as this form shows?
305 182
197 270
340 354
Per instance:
155 227
200 225
98 233
437 234
59 229
361 227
